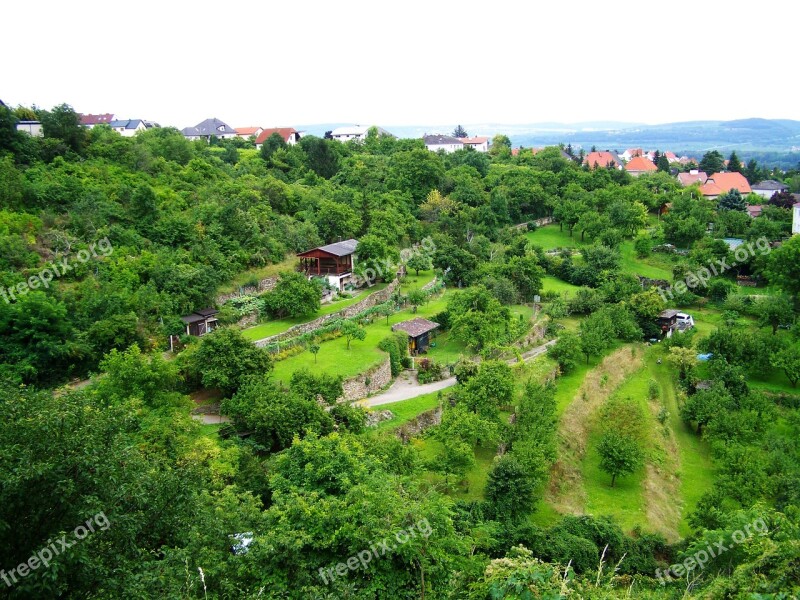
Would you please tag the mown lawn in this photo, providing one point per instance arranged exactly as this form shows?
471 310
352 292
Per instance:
406 410
277 326
550 283
414 282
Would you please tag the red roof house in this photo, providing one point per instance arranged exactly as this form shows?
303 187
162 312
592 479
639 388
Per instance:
289 135
601 159
639 165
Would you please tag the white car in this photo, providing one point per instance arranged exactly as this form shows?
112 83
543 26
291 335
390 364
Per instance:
684 321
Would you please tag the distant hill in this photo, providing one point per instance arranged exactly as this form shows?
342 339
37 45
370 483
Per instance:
744 135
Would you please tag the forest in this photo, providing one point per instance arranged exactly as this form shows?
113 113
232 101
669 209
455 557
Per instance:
577 452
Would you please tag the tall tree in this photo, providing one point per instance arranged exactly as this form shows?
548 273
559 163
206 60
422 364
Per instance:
734 164
712 162
460 132
619 455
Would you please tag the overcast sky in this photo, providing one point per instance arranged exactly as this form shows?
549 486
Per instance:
404 63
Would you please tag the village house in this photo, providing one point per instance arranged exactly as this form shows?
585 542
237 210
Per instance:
631 153
447 143
608 160
335 262
478 143
755 210
419 331
692 177
246 132
721 183
639 165
32 128
90 121
768 188
356 132
210 127
128 127
289 135
796 219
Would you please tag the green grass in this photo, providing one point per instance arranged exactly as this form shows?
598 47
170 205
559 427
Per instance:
406 410
696 471
414 282
335 358
245 277
271 328
551 283
474 483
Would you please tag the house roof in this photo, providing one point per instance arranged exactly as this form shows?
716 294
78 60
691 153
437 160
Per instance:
709 188
212 126
640 163
634 152
690 178
474 140
668 314
755 210
284 132
248 130
199 315
730 181
337 248
126 123
601 159
350 130
440 140
415 327
96 119
770 185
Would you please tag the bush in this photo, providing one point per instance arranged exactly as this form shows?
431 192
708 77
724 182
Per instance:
396 345
429 370
443 319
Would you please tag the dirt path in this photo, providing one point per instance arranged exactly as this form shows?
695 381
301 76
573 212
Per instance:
406 387
566 491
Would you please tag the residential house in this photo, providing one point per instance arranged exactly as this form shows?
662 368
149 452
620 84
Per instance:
768 188
246 132
201 322
356 132
692 177
479 143
128 127
90 121
33 128
603 160
447 143
671 158
721 183
639 165
631 153
205 129
796 219
333 261
289 135
419 331
755 210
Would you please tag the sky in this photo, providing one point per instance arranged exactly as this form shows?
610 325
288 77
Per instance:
296 62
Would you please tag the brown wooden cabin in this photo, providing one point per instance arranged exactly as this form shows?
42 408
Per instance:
201 322
334 261
419 331
668 320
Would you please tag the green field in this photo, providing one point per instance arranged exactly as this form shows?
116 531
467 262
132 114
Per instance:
406 410
413 281
277 326
550 283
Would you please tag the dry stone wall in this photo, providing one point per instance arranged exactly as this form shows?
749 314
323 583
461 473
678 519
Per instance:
265 285
364 384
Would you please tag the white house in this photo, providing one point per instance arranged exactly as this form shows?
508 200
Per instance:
246 132
356 132
33 128
796 219
205 129
437 142
128 127
479 143
766 189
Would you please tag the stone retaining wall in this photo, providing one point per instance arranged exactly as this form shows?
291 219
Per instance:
364 384
265 285
429 285
371 300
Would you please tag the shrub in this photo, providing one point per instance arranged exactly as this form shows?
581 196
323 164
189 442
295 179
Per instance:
429 370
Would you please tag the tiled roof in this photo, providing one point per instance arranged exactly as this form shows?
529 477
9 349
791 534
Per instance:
730 181
690 178
211 126
284 132
709 188
755 210
601 159
640 163
440 140
474 140
247 130
96 119
415 327
770 185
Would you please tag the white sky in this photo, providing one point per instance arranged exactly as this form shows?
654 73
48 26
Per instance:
415 62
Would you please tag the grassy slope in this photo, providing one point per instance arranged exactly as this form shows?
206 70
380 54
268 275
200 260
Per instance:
406 410
269 328
289 264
